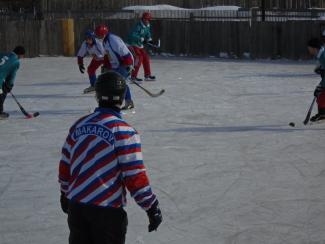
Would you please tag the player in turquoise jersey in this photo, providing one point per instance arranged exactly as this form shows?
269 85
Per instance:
139 35
9 64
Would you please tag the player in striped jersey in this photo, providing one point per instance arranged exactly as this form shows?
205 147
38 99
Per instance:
101 158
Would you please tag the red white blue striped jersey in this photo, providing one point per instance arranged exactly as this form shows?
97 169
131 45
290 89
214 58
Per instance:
101 158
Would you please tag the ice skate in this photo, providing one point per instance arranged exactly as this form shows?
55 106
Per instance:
4 115
89 89
150 78
317 117
136 79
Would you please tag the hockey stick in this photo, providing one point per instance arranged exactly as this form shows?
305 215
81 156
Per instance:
148 92
28 116
309 111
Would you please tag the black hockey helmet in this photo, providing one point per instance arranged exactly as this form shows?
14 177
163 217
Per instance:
314 43
110 89
19 50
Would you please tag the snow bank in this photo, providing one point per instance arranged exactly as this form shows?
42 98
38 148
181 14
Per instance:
221 8
153 7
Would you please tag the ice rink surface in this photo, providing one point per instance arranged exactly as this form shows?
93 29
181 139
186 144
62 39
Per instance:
220 155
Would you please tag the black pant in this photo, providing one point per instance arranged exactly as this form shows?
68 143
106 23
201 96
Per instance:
96 225
2 100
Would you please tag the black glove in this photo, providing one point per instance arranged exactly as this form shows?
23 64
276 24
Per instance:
82 68
6 88
150 43
64 203
155 217
318 90
320 70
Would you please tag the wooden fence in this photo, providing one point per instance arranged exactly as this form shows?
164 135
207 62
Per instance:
237 39
205 38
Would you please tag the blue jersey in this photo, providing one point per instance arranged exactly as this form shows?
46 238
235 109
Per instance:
9 64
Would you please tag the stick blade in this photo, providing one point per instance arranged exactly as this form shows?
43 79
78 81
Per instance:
30 116
307 118
157 94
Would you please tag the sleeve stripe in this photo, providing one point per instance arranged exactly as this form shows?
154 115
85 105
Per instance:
127 158
144 199
145 194
142 190
128 149
147 204
129 173
131 165
64 160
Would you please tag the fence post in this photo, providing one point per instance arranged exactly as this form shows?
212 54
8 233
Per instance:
254 14
263 10
68 37
314 14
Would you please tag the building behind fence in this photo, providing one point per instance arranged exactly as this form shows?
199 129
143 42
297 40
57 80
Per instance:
73 5
236 34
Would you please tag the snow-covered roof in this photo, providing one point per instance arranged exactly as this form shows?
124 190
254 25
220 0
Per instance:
231 8
170 7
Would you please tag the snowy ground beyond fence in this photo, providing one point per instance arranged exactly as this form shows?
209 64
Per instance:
221 157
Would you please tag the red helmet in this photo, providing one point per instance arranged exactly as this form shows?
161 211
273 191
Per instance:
146 16
101 31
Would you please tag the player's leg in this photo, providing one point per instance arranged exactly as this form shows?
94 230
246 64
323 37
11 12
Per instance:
92 67
91 70
128 104
147 67
109 225
3 114
79 225
321 108
137 62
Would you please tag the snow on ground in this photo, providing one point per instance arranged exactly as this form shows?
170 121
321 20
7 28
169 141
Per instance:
221 157
170 7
